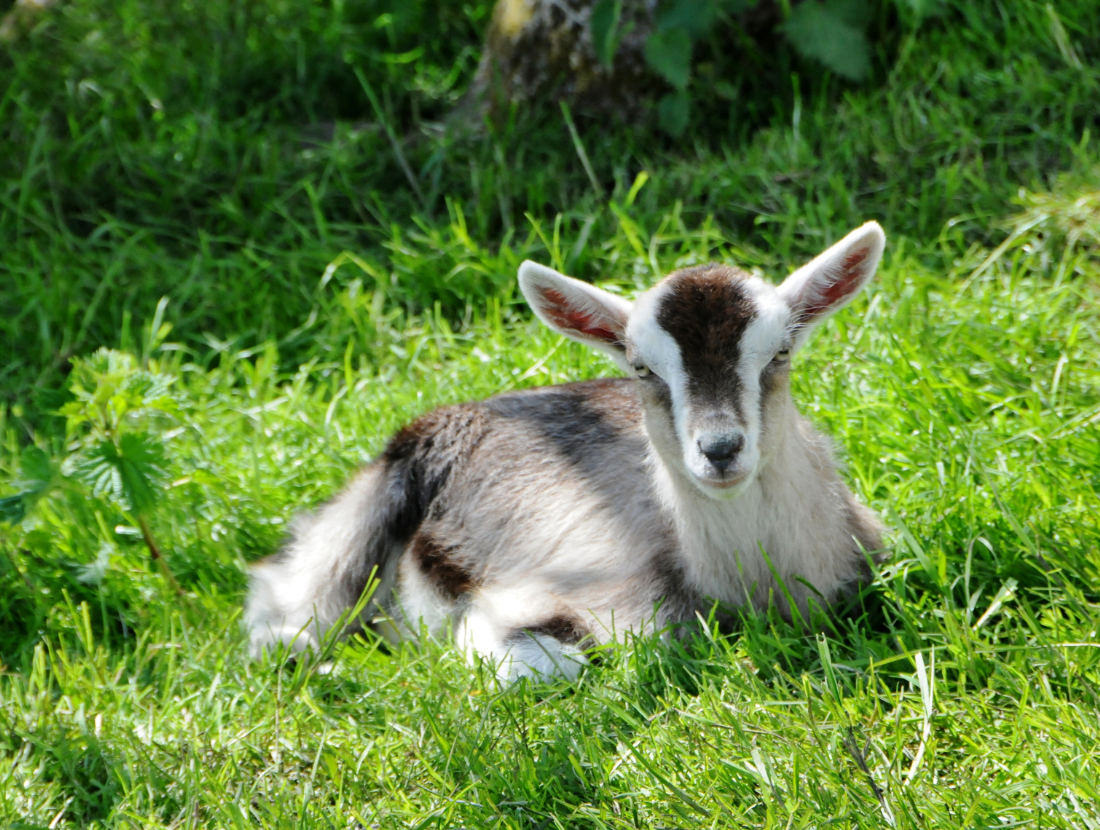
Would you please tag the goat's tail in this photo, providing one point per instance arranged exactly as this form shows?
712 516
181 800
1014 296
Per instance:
301 592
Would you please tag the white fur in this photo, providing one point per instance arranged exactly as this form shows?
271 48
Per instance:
661 353
292 600
778 514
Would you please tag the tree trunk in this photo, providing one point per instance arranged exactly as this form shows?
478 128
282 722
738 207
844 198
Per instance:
544 50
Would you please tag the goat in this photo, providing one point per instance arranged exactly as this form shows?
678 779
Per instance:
538 523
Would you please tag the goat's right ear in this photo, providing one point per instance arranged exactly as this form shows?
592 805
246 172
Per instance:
575 309
831 280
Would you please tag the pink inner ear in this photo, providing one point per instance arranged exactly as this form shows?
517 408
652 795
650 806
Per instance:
566 316
851 272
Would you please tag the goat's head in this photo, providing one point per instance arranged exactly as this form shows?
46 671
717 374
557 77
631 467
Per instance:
711 348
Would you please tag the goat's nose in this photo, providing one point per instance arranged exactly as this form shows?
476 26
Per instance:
720 450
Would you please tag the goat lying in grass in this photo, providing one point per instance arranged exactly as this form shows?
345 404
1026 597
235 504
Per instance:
536 523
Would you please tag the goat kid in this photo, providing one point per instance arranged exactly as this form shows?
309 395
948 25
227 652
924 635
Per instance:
537 523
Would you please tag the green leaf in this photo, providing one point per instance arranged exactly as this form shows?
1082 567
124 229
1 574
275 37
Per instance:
672 112
98 468
696 17
96 378
668 53
130 474
109 387
829 33
604 22
36 471
148 391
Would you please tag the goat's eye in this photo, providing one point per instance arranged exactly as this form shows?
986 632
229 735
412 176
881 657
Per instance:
641 370
782 356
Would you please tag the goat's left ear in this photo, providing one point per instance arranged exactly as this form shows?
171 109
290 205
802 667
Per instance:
830 281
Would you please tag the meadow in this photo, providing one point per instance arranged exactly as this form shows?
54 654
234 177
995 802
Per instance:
262 206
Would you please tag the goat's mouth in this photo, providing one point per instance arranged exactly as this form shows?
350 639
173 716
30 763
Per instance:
724 482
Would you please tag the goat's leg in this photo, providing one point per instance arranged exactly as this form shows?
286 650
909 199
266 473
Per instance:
516 651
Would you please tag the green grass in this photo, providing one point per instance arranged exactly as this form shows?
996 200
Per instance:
962 390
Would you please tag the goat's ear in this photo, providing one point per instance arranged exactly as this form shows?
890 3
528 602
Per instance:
830 281
575 309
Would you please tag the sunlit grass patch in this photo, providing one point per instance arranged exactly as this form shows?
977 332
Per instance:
963 692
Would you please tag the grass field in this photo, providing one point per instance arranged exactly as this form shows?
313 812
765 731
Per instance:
227 158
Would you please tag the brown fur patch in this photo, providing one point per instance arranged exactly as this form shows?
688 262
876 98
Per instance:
706 310
565 628
440 566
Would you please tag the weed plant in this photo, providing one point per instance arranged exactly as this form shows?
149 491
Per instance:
227 157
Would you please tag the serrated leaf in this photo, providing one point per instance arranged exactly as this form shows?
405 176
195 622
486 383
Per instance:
97 468
604 23
668 53
109 387
672 113
130 474
96 378
146 387
143 469
823 32
75 412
